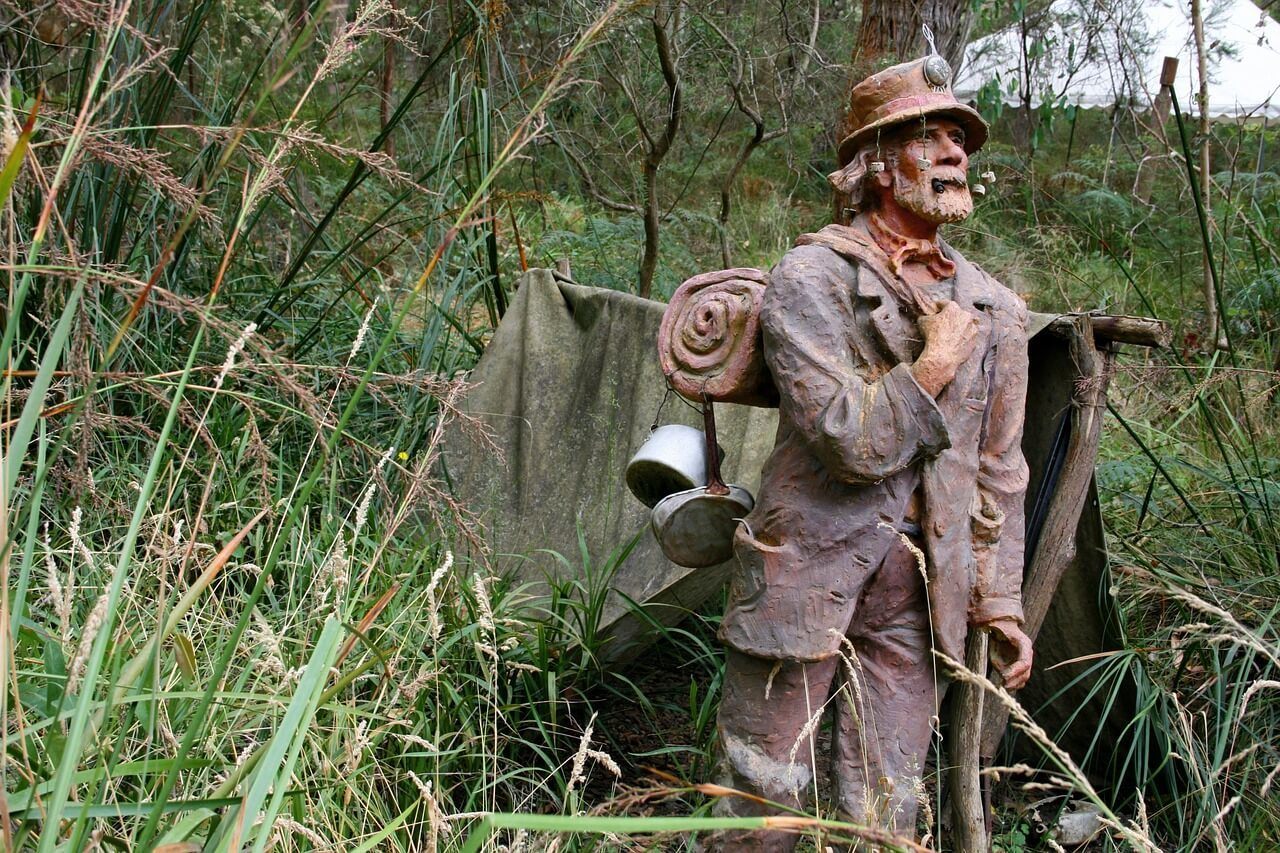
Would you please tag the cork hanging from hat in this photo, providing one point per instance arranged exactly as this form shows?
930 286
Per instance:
878 164
932 71
924 164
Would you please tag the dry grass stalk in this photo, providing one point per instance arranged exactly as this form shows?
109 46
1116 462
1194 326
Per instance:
487 644
273 661
9 124
362 510
286 828
577 772
362 333
374 18
434 624
803 739
436 825
378 162
1242 635
333 577
233 352
865 719
354 748
149 166
1271 778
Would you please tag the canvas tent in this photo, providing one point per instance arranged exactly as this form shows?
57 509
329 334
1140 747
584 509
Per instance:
1098 55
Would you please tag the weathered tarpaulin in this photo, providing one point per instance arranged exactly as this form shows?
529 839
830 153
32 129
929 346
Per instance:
570 385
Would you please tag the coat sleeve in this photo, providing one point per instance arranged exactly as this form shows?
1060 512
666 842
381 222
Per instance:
1002 468
862 428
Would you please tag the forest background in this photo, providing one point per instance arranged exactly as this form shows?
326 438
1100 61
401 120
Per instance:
251 252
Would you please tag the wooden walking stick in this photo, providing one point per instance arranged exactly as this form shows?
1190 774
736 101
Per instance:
968 807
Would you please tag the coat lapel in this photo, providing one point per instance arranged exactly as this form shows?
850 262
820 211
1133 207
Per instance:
896 334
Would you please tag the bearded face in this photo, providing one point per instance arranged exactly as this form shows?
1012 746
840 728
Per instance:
938 193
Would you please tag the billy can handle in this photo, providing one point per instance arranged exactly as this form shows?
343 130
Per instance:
715 485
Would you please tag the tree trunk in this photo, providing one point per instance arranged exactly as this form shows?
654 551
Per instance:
1023 125
968 811
649 262
892 31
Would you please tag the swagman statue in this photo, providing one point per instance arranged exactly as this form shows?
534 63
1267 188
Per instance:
889 521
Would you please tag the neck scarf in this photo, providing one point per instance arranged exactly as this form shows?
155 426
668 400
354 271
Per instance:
902 249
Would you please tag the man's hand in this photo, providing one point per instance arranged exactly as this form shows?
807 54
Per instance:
1011 652
950 336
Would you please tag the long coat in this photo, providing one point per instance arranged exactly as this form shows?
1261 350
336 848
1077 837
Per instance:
857 435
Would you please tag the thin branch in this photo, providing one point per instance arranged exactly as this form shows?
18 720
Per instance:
671 77
588 182
758 137
633 103
660 146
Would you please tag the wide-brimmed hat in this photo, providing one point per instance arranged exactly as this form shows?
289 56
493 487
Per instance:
912 90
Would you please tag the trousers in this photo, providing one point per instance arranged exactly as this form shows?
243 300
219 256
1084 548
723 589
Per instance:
882 694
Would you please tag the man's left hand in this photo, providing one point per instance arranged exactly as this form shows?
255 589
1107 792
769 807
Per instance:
1011 652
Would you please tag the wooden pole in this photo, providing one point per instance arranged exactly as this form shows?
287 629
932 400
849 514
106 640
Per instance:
1123 329
1213 333
975 731
1145 180
968 808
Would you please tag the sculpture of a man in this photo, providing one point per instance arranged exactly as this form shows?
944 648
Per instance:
890 516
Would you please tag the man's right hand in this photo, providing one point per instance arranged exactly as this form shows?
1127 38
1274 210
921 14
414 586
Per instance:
950 336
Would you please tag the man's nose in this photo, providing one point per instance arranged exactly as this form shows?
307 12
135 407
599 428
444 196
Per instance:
947 151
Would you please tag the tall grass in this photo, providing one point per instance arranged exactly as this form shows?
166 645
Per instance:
233 618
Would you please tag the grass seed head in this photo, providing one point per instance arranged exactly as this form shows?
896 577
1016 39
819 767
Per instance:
237 346
88 635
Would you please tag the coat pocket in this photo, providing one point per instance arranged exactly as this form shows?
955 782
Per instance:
757 564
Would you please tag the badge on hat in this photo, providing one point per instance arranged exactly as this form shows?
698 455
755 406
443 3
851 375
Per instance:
937 72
